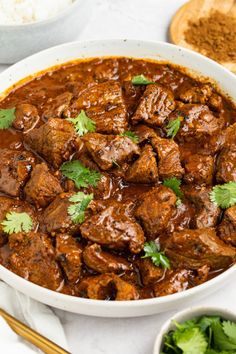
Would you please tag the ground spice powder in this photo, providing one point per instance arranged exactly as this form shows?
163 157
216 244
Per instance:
214 36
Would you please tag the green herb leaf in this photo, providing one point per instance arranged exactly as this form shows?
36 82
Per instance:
224 195
7 117
191 341
230 330
158 258
173 127
81 175
220 339
206 321
83 124
17 222
77 210
131 135
141 80
174 184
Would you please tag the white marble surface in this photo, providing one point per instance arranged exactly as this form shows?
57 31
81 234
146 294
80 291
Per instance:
140 19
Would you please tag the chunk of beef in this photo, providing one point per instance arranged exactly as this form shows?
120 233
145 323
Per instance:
195 248
202 94
199 169
155 105
108 150
33 258
196 94
132 94
55 218
198 123
114 228
55 141
229 136
55 107
169 164
206 212
144 133
27 117
107 287
42 187
144 169
104 104
155 209
69 255
15 167
149 272
227 228
226 165
104 262
174 282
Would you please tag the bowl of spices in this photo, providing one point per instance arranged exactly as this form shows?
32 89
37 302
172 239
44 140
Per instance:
27 26
198 330
208 29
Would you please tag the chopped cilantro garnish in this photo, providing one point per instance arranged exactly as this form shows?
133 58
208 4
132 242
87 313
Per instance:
224 195
17 222
83 124
81 175
7 117
77 210
152 250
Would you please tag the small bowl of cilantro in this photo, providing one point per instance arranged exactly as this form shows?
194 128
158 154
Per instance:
199 330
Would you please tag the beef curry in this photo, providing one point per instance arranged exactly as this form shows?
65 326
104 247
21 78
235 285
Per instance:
115 176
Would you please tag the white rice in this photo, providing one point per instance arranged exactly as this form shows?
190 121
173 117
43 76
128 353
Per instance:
14 12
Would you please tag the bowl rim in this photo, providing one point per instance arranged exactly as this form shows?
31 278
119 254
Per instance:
62 13
187 314
173 298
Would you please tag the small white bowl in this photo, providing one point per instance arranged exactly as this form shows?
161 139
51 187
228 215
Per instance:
188 315
20 41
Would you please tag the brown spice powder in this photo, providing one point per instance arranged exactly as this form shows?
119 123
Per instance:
214 36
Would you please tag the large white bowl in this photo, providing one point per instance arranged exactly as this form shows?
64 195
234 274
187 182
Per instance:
138 49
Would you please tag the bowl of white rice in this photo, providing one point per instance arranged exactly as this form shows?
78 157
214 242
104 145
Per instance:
28 26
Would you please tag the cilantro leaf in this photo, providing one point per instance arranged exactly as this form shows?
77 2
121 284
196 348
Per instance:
206 321
141 80
7 117
191 341
158 258
224 195
17 222
83 124
230 330
131 135
81 175
77 210
173 126
220 339
174 184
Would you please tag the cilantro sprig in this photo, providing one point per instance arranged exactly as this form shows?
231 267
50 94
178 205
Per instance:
83 124
80 202
158 258
7 117
174 184
81 175
202 335
173 126
224 195
17 222
141 80
131 135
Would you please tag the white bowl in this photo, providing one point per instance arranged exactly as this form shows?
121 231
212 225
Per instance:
188 315
20 41
138 49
